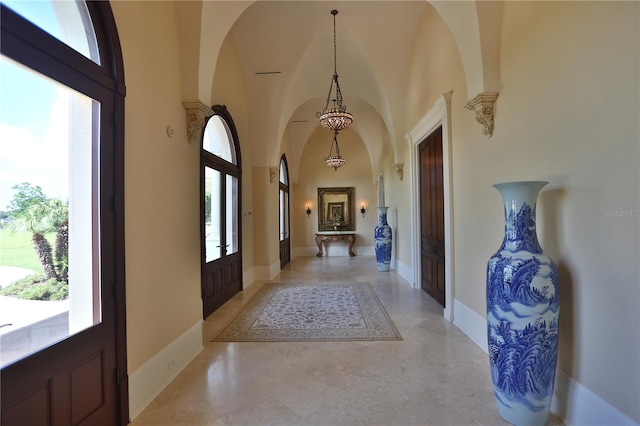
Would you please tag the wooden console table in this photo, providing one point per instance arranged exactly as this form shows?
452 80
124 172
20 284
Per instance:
351 238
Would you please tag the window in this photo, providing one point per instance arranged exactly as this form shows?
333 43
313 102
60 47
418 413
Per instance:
67 21
51 179
284 199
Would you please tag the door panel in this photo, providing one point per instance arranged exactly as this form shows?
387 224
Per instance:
432 217
54 387
79 377
222 270
284 213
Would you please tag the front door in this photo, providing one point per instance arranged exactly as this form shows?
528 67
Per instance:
220 177
432 216
64 361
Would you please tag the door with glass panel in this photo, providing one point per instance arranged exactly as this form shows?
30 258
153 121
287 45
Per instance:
220 170
285 237
62 341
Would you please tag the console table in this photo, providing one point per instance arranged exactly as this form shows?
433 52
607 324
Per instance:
350 237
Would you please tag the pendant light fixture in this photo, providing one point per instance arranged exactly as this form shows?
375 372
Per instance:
335 117
335 160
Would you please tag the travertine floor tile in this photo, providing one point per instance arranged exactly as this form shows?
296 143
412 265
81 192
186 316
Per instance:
435 376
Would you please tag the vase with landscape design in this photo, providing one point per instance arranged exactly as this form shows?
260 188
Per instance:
522 312
382 239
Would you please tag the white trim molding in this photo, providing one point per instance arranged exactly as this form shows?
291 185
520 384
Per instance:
573 403
471 324
404 270
146 383
248 277
438 116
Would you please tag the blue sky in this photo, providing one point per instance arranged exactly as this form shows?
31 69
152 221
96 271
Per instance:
29 121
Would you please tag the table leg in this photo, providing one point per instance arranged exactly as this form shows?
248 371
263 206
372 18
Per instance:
352 240
319 244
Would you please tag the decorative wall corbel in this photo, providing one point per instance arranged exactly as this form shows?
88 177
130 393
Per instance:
197 112
274 174
400 170
483 105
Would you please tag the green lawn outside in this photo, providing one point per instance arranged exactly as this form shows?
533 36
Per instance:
17 249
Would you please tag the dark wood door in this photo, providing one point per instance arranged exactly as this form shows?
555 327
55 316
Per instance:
222 259
81 379
72 383
285 239
285 224
432 217
285 252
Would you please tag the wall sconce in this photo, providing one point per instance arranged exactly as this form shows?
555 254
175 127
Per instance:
362 210
308 211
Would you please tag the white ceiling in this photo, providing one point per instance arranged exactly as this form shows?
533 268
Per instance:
374 44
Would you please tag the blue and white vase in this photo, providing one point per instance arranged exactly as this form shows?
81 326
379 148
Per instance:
522 312
382 239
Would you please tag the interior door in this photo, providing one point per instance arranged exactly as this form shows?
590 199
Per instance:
70 369
285 237
432 216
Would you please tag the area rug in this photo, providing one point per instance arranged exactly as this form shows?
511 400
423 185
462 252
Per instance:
306 312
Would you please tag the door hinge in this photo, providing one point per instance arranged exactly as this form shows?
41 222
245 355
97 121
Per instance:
117 376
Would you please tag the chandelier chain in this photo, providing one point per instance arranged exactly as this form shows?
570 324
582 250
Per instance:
335 117
335 56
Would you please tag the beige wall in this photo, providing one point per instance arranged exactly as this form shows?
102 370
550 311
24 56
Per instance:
161 185
229 89
567 113
570 104
314 174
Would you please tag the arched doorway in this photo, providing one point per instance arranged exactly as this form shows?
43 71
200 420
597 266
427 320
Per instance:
221 225
64 60
285 221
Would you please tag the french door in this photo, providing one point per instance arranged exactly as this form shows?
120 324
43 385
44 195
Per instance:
62 80
285 225
220 181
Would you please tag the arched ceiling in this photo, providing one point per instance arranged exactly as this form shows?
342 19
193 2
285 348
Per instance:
295 39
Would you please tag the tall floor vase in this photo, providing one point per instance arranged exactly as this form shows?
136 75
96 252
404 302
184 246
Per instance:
382 239
522 312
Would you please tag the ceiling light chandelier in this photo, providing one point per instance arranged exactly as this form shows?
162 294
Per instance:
335 117
335 160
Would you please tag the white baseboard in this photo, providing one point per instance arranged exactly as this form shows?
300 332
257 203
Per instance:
577 405
267 273
334 249
303 251
405 271
274 269
572 402
248 277
153 376
471 324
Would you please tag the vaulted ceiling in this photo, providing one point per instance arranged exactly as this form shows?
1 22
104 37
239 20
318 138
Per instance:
286 53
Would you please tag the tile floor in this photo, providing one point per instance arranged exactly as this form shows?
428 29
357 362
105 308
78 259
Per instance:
435 376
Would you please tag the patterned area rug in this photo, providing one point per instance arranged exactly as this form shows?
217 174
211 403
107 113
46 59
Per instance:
311 312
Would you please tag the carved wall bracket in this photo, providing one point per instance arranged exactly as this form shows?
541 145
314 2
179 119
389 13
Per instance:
197 112
274 174
483 105
400 170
